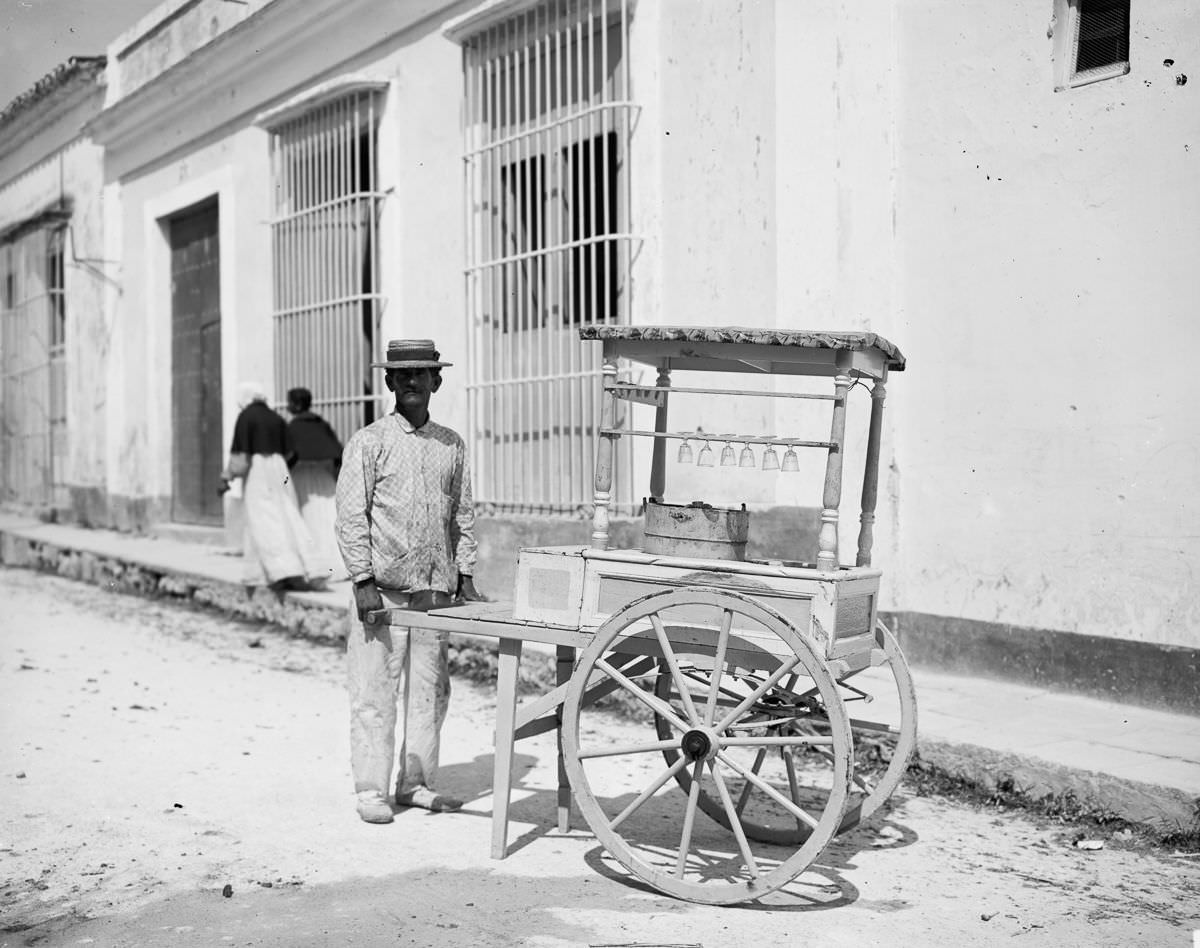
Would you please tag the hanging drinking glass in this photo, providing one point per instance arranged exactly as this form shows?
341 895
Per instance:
790 461
728 457
770 459
706 456
747 457
685 453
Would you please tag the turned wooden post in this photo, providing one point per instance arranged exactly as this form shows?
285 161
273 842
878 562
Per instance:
658 464
870 490
605 450
827 538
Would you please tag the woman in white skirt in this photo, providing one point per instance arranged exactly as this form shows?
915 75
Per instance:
276 546
315 455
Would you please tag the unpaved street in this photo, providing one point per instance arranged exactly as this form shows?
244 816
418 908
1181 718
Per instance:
153 755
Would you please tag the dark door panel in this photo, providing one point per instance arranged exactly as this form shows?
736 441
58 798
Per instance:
196 366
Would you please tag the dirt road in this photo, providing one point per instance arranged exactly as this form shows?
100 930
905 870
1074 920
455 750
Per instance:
153 756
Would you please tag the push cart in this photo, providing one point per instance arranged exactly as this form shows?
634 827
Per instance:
778 708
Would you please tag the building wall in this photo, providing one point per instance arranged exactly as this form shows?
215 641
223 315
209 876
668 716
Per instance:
837 164
68 168
160 161
1047 441
771 178
234 171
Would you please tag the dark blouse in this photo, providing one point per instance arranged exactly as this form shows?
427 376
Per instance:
312 439
259 430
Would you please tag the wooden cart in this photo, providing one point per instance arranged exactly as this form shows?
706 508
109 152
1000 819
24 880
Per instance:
782 708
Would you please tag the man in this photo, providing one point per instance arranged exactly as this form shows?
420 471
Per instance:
405 526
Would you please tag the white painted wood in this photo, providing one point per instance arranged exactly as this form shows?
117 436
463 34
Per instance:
827 538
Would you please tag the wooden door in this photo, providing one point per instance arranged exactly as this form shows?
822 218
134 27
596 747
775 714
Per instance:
198 448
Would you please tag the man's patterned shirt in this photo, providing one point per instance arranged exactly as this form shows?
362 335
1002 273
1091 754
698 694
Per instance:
404 509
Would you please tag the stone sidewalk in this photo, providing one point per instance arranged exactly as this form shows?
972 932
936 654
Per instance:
1137 764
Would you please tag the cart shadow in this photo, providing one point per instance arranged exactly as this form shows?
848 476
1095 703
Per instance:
820 887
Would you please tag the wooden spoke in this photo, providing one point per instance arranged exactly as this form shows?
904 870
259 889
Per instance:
756 767
710 709
793 784
673 664
653 746
712 693
761 722
689 819
654 704
704 683
766 788
792 740
734 821
648 792
757 693
860 725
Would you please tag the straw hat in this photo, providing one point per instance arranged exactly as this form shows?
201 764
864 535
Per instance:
411 354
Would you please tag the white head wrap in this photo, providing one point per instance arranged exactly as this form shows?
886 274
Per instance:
248 392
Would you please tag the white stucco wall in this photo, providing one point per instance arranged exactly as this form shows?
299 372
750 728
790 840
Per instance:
233 170
901 168
427 297
72 172
771 178
222 153
1049 445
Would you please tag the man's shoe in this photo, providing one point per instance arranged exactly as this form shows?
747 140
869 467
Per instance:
373 808
428 800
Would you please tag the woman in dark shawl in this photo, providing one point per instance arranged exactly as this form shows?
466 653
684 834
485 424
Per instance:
315 456
276 545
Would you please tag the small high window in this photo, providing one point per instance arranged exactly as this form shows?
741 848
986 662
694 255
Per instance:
1091 41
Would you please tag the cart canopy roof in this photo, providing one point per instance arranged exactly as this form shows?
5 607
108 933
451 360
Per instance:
740 349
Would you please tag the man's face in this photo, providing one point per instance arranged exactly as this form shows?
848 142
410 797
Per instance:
412 387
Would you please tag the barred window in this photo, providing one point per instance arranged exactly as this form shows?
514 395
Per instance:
326 257
1092 43
1101 35
548 118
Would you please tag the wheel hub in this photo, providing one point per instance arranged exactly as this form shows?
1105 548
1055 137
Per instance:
699 743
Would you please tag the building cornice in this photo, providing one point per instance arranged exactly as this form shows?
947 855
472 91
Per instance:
38 133
287 36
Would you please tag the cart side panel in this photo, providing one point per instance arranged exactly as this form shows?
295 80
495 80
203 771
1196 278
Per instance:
549 585
609 585
844 618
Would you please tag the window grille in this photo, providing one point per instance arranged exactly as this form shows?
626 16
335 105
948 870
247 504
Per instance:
1094 44
1102 34
548 118
32 364
325 230
56 302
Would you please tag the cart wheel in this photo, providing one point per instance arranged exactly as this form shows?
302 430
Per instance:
715 639
881 703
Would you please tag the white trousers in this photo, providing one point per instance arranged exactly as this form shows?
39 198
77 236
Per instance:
379 658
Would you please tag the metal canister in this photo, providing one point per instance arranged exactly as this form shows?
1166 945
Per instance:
696 529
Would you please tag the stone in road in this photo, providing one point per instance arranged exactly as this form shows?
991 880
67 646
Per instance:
154 756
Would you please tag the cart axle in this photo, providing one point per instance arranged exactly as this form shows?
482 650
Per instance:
699 743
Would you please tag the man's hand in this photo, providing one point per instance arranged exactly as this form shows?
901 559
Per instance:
224 488
467 591
367 598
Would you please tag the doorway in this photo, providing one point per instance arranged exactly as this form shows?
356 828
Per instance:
197 448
